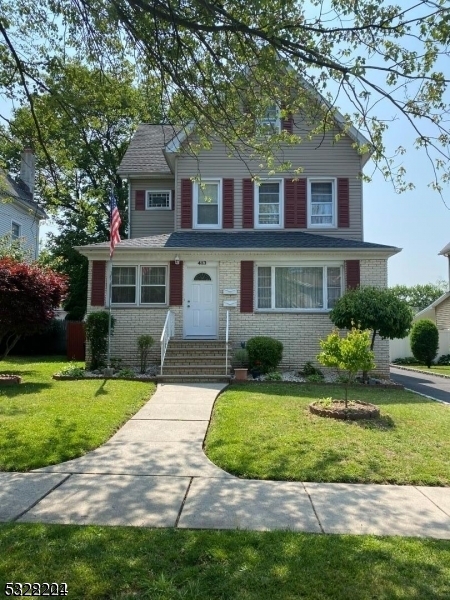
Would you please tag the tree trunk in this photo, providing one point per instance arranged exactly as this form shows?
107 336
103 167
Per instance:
365 374
10 342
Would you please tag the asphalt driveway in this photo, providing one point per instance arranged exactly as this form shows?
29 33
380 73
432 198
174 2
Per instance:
429 385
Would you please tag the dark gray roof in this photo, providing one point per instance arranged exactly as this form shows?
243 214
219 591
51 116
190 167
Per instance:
19 191
144 154
245 240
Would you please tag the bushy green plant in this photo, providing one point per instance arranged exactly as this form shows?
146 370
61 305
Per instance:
424 341
444 359
326 402
240 358
116 363
97 336
273 376
126 373
264 353
72 370
350 354
407 360
310 369
145 342
314 378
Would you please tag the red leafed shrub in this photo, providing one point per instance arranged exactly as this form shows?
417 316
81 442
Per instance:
29 295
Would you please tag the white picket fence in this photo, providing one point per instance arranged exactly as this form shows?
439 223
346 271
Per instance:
402 348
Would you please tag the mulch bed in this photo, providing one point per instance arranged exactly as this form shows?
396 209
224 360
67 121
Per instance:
356 410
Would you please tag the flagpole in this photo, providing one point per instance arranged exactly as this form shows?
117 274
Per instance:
114 238
108 362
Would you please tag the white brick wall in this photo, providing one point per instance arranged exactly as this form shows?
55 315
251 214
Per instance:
299 333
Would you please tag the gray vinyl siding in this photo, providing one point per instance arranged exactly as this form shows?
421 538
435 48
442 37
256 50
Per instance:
29 224
150 222
319 157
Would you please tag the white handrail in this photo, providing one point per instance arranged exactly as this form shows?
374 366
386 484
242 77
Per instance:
226 342
167 332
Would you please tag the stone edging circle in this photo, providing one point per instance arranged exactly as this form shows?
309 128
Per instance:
10 379
365 410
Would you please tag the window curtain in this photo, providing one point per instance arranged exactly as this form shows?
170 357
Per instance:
298 287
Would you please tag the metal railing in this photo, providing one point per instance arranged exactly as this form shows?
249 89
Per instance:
167 332
227 330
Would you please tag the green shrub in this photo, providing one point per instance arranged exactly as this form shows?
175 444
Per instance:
126 373
97 336
424 341
240 358
314 378
264 353
273 376
443 360
408 360
310 369
145 342
72 371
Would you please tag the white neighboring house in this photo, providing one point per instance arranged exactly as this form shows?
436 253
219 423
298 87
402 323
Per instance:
20 215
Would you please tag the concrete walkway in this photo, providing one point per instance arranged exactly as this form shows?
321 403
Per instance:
426 384
153 473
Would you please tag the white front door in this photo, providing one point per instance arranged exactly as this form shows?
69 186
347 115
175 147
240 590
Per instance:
200 302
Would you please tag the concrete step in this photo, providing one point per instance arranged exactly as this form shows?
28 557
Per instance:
193 378
195 360
193 370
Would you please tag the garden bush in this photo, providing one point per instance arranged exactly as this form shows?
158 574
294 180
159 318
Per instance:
444 359
97 336
407 360
264 353
310 369
145 342
424 341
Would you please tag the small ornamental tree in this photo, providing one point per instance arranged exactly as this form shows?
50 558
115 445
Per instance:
350 354
97 326
29 295
424 341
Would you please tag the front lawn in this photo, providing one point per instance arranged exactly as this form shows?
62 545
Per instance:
117 562
442 369
44 422
265 431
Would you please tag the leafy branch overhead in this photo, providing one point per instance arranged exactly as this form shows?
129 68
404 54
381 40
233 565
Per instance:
222 64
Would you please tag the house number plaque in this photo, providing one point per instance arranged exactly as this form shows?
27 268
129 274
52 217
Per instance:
202 262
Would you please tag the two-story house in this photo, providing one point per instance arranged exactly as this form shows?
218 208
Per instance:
217 254
20 215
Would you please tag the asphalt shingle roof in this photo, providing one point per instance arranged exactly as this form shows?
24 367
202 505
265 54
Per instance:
244 240
19 190
144 154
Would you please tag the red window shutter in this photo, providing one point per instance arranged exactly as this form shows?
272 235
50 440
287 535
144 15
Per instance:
140 200
290 209
186 204
228 204
343 202
247 203
176 284
98 283
246 286
352 270
301 203
173 199
287 124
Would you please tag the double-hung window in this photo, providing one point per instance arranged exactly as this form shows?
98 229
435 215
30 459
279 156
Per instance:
207 204
269 204
297 288
158 200
271 120
15 231
139 285
322 202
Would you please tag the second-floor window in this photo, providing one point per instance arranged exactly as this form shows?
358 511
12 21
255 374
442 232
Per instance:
15 231
207 204
269 204
322 202
158 200
271 119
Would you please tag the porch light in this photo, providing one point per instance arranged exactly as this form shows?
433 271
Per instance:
177 260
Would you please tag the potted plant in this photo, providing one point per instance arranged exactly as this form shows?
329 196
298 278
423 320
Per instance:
240 361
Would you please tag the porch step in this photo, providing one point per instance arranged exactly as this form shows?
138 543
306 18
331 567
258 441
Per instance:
196 358
193 378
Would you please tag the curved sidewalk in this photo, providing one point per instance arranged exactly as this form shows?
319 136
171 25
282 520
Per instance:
153 473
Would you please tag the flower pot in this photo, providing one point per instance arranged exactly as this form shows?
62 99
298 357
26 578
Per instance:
240 374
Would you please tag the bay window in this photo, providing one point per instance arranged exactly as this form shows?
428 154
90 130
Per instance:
298 288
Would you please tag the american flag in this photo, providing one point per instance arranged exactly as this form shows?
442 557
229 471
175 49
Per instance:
115 224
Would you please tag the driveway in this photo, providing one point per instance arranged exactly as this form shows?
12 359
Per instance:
429 385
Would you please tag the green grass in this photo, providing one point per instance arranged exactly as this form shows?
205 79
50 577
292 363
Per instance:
442 369
126 563
43 421
267 432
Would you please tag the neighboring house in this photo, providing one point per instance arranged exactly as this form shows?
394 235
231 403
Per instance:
272 257
19 214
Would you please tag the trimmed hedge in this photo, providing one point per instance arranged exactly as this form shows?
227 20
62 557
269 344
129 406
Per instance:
264 353
425 341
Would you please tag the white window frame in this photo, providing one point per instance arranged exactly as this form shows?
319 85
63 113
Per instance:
13 237
148 192
166 286
333 181
275 125
257 224
273 266
138 271
197 185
